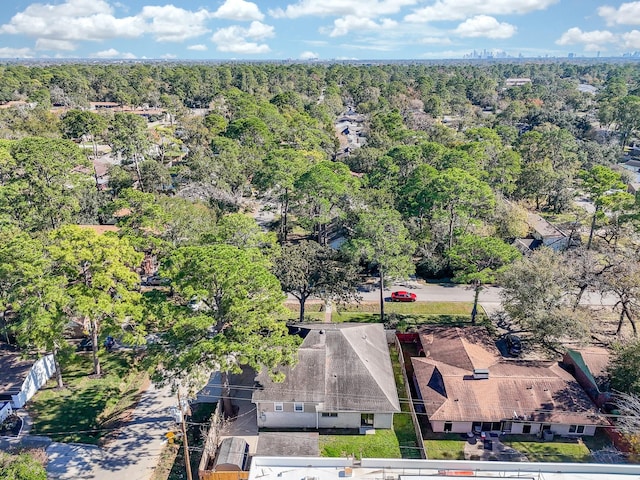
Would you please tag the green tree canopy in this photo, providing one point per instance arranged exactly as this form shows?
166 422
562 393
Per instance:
309 269
242 321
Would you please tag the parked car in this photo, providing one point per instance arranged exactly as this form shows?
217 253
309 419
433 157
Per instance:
157 281
514 345
402 296
85 345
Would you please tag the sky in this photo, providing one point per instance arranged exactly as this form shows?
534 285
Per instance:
316 29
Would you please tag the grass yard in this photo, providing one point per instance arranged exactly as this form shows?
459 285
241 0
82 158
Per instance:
401 315
444 446
402 422
382 444
88 409
556 451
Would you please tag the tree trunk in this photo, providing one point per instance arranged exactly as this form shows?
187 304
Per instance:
583 288
302 301
5 327
135 160
381 295
620 320
451 222
631 321
285 214
94 348
476 296
57 366
593 227
227 406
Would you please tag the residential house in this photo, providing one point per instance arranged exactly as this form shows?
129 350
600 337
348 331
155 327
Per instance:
517 82
542 234
21 379
466 386
343 379
589 366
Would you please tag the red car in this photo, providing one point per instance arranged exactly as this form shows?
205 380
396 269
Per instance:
402 296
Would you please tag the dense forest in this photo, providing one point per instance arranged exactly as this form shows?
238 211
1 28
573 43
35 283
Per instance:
222 187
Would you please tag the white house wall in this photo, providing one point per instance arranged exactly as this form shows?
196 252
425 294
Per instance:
383 420
39 374
309 418
343 420
516 428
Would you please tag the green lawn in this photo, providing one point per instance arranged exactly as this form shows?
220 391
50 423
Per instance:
88 409
451 447
556 451
402 422
402 315
382 444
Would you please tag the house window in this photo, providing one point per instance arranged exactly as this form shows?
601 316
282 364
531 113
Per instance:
576 428
298 407
329 414
448 426
278 407
526 428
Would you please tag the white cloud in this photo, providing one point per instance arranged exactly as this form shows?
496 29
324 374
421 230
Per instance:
307 55
8 52
112 53
68 23
632 39
436 41
447 10
339 8
484 26
342 26
169 56
592 41
239 10
625 14
173 24
197 48
237 39
51 44
73 20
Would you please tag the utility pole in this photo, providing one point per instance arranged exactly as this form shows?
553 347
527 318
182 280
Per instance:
187 460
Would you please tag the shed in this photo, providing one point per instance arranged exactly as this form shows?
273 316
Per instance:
232 455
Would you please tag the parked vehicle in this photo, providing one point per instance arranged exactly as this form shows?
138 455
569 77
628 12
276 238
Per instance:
157 281
402 296
514 345
85 345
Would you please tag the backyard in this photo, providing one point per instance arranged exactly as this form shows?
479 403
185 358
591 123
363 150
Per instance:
88 409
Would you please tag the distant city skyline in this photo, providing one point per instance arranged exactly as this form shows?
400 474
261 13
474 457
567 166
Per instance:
318 29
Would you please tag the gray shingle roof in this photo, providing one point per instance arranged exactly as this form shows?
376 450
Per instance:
344 367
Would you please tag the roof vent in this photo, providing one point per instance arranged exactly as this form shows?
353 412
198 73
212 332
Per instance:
481 373
321 332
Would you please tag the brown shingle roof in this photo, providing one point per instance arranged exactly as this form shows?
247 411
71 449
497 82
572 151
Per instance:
532 391
466 348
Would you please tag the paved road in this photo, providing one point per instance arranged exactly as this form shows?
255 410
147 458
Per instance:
133 455
451 292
